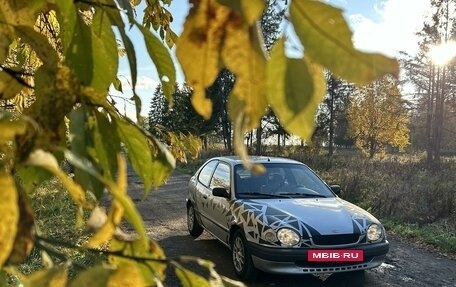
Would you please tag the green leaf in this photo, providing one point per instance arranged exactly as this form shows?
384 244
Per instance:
116 20
105 52
9 213
126 6
3 279
79 54
33 176
161 57
137 149
117 85
295 88
327 39
137 100
106 144
81 139
67 21
163 162
92 53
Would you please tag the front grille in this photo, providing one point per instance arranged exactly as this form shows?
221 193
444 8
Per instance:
312 264
337 239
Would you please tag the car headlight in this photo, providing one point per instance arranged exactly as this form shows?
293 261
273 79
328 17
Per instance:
288 237
374 232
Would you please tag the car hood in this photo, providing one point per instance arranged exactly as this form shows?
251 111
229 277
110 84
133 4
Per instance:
314 216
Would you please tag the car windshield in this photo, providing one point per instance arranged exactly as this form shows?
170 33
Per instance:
280 180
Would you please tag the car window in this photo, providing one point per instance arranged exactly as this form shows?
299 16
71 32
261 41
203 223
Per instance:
221 177
205 174
284 179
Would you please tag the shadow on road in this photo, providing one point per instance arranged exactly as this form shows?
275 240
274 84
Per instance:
211 249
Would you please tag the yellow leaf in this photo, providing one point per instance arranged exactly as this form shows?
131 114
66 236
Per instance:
54 277
9 213
108 228
9 86
189 278
198 50
150 270
95 276
24 236
128 274
252 10
295 88
241 149
242 56
9 129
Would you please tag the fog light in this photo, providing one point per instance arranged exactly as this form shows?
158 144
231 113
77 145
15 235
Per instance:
270 236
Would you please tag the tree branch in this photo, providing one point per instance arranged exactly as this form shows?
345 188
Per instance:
17 75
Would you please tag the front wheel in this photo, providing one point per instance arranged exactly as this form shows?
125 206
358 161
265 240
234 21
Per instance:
194 228
242 261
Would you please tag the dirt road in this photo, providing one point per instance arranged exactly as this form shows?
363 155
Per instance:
165 215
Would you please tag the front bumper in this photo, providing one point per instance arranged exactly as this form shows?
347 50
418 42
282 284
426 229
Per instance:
294 260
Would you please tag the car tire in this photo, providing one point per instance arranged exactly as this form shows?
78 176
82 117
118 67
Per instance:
194 228
241 258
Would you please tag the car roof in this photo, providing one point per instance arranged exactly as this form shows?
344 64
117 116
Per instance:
235 160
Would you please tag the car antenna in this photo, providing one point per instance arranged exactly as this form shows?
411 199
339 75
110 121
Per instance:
269 159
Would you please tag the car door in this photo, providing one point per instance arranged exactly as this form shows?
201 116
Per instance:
219 207
203 192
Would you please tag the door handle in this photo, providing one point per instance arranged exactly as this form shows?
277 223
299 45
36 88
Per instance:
205 196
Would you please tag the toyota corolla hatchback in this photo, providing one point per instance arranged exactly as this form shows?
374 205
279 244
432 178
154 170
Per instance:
285 220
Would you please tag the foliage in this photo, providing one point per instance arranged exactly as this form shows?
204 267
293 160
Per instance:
332 123
378 117
65 54
433 125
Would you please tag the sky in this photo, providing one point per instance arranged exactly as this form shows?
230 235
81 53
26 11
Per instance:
384 26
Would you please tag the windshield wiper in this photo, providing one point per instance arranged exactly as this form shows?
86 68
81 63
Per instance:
303 194
263 194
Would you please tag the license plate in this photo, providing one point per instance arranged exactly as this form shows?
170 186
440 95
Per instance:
352 255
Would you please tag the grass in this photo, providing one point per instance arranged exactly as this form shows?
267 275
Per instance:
55 218
440 235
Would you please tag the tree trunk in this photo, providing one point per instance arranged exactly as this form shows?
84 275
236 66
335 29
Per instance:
259 131
429 116
331 126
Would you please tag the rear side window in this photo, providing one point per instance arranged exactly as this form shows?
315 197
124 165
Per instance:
221 177
205 175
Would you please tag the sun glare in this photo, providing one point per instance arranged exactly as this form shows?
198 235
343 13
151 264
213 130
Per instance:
443 53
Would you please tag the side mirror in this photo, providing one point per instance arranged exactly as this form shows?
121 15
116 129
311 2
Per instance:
336 189
220 192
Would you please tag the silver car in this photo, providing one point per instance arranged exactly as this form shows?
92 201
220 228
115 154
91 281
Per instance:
285 220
